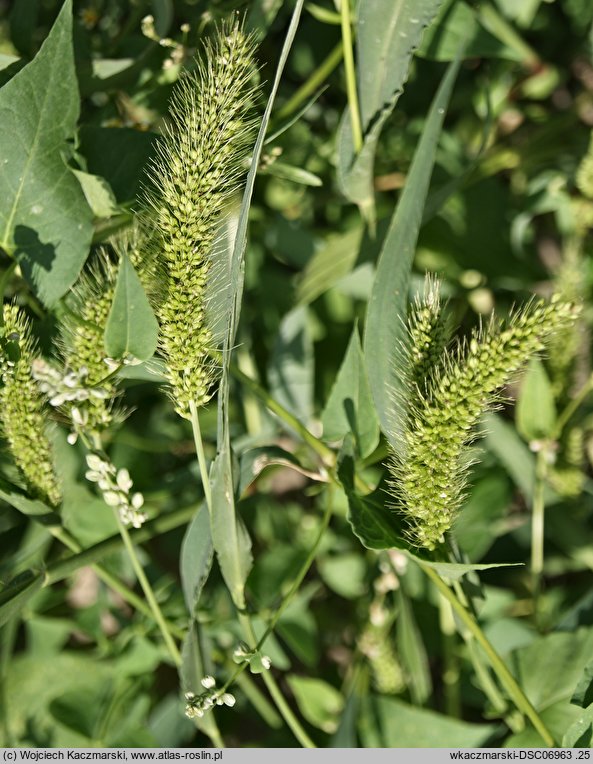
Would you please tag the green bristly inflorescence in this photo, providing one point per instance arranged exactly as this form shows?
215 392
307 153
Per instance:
22 409
82 339
428 334
429 476
200 164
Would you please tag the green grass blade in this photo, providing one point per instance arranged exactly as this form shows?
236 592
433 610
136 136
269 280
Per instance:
389 298
229 537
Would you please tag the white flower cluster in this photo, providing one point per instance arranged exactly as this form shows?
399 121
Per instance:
64 388
197 705
116 485
258 663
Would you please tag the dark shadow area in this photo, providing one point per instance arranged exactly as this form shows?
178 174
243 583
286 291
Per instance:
31 253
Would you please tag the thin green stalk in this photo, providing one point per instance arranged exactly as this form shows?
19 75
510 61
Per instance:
302 572
451 669
195 423
537 528
314 82
351 75
327 454
566 415
61 569
488 685
112 582
506 678
244 619
275 693
148 592
258 700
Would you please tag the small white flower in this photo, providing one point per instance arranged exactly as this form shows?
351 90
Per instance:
266 662
228 699
72 438
137 500
112 498
95 462
190 695
123 480
208 682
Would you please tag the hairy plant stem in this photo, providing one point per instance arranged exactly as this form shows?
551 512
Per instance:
350 75
244 619
506 678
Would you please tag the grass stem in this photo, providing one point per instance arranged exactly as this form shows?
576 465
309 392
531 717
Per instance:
350 75
507 680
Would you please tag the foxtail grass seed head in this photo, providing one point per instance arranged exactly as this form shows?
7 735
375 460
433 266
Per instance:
200 164
429 476
22 413
82 331
428 333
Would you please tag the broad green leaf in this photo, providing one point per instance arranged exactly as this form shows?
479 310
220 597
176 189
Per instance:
7 60
580 733
229 536
319 702
388 32
387 308
261 15
406 726
482 517
131 328
504 442
536 409
583 694
344 573
328 265
15 596
564 655
291 371
45 221
456 23
32 507
196 558
412 651
350 408
98 194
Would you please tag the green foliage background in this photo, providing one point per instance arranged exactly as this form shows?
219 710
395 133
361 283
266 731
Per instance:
365 657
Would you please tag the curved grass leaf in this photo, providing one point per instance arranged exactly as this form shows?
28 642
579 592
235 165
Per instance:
388 32
536 410
131 328
45 221
350 405
387 306
196 558
16 595
229 536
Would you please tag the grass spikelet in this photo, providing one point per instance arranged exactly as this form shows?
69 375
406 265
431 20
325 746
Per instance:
82 332
428 333
200 164
429 476
22 409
